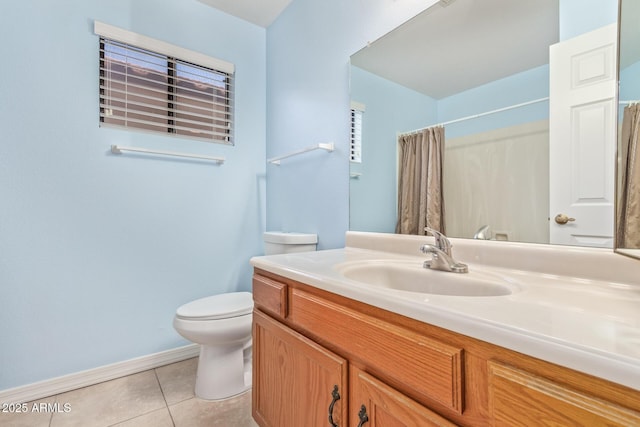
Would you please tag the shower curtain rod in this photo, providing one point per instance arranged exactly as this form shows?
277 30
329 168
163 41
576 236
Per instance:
475 116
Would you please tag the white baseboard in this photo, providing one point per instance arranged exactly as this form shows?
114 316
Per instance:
89 377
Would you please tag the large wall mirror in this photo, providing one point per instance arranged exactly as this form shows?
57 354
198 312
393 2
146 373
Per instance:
482 68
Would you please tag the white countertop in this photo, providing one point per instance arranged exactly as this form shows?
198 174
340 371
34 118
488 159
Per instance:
579 319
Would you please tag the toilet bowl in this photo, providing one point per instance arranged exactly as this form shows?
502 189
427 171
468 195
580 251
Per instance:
221 324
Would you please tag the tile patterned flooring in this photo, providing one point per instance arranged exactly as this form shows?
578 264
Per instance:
160 397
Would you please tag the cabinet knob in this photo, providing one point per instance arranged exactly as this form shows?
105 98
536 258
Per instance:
336 396
363 416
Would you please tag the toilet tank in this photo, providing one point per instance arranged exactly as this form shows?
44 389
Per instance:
278 242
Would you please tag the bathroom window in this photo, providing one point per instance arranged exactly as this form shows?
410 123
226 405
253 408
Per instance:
357 110
152 86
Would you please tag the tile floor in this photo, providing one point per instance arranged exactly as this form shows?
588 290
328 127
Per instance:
160 397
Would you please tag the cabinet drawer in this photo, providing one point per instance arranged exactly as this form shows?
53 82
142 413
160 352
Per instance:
423 366
385 406
520 398
270 296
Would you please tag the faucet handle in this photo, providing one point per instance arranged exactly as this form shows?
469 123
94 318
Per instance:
441 240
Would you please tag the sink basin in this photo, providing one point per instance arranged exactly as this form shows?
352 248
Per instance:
410 276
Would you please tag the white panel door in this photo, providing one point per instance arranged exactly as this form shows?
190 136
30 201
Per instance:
582 138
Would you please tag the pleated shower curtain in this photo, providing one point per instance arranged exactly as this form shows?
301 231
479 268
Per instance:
420 199
628 213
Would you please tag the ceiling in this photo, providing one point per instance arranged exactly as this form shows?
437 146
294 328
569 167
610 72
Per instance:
461 43
457 45
259 12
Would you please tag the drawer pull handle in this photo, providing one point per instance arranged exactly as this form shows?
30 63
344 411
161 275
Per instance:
363 416
336 397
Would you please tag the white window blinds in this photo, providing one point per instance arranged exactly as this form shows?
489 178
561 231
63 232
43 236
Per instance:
147 87
355 154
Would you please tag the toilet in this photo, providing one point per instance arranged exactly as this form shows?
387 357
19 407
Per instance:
221 324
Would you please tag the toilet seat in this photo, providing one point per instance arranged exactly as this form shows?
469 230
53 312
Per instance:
222 306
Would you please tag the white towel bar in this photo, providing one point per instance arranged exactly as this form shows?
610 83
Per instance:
328 146
115 149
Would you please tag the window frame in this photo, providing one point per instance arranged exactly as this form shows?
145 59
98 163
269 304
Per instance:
175 56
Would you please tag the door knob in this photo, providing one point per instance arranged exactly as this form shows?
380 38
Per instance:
563 219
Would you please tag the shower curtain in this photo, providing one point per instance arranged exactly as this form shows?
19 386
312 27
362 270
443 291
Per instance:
420 199
628 212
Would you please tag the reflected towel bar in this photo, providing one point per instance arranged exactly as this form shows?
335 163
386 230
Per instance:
115 149
328 146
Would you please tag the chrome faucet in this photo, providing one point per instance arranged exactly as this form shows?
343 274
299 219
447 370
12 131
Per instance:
441 258
483 233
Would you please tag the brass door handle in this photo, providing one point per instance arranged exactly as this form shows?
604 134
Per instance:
563 219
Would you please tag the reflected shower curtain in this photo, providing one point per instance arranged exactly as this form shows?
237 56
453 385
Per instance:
628 220
420 200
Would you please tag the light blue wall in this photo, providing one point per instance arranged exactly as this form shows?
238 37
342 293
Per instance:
630 83
516 89
390 108
629 87
581 16
308 102
97 251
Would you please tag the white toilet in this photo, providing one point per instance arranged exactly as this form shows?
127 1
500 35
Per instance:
221 324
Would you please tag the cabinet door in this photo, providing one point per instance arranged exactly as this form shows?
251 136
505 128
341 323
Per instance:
294 378
375 404
519 398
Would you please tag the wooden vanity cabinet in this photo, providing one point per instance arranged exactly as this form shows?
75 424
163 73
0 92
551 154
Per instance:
308 342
